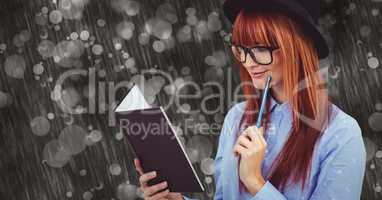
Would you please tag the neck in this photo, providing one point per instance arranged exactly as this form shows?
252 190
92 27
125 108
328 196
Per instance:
278 94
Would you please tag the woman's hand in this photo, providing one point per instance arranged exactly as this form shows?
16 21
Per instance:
152 192
251 147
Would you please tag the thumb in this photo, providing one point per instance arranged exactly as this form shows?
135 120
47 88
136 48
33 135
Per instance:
260 130
138 166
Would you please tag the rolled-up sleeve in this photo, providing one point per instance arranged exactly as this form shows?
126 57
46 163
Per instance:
268 191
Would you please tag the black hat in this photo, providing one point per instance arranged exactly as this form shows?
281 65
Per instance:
306 12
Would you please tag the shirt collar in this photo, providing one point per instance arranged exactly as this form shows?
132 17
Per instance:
275 105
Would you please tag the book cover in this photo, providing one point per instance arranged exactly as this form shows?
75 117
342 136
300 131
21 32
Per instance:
155 143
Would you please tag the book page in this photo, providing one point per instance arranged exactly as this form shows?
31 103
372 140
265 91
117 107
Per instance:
134 100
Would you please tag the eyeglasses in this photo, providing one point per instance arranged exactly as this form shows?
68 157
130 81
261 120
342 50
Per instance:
260 54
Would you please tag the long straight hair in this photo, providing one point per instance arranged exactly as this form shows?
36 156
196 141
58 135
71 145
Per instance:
310 105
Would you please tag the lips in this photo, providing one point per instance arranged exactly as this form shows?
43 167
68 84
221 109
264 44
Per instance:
258 74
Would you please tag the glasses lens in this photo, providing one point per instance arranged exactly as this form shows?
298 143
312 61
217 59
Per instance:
238 52
262 55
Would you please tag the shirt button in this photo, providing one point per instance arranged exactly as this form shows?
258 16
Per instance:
272 127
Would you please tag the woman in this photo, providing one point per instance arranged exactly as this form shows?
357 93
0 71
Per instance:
307 147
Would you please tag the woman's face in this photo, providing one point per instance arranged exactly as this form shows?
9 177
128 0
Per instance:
273 69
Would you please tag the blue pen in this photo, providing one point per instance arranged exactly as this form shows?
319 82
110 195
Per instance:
258 124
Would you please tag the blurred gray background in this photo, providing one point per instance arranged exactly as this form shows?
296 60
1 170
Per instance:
47 153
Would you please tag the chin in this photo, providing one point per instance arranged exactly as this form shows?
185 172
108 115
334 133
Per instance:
259 83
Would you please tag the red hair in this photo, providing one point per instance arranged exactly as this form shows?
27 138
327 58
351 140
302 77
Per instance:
309 105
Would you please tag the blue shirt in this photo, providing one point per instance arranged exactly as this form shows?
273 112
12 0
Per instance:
337 168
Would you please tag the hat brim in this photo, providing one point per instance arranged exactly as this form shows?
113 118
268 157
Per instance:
232 8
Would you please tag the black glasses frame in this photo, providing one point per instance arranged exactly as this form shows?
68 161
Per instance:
249 50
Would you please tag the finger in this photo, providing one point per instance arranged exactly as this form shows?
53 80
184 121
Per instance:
250 132
160 195
259 138
138 166
146 177
262 139
240 149
150 191
255 128
261 130
258 130
244 141
247 133
235 152
238 143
